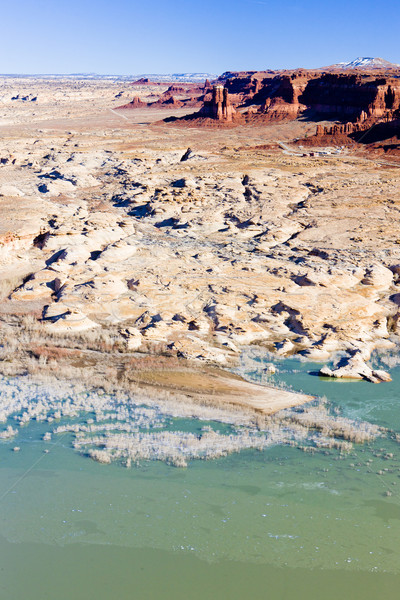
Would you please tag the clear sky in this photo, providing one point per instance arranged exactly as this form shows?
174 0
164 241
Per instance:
160 36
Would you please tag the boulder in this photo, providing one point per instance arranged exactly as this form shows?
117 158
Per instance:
355 367
378 276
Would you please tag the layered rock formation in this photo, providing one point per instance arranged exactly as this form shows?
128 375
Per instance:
361 97
362 132
357 98
338 129
349 96
352 96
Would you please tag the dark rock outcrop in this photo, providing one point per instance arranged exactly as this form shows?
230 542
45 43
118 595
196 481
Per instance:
187 155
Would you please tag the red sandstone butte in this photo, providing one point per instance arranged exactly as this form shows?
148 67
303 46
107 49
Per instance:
167 100
143 81
219 107
135 103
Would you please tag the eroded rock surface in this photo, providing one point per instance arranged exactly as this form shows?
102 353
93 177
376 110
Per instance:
104 225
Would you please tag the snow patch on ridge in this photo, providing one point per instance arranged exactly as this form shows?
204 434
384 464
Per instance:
366 62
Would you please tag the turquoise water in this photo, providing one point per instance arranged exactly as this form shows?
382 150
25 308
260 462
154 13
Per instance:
277 523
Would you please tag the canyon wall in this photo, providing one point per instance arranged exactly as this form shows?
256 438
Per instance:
350 96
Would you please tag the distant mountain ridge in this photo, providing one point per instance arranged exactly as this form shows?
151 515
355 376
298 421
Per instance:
159 78
183 77
361 63
366 62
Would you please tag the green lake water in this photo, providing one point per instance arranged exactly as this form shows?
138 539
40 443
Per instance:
275 524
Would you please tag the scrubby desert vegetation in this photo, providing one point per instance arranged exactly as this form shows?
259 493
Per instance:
129 428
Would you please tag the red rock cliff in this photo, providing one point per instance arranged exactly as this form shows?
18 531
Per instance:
345 96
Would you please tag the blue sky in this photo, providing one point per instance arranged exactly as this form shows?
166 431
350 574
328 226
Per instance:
156 36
